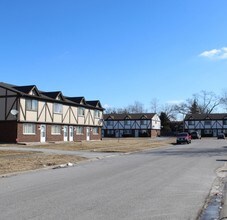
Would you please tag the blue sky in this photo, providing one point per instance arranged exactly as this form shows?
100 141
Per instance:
117 51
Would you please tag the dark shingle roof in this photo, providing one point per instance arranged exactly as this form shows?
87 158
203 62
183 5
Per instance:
24 89
212 116
134 116
50 96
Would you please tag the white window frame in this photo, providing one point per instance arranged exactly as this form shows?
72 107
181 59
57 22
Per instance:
110 132
97 113
109 123
207 123
191 122
208 131
143 122
29 129
127 122
81 111
128 131
56 129
31 105
95 130
79 130
58 108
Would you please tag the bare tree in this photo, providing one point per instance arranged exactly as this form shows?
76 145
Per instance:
202 103
137 107
224 100
207 101
154 105
169 111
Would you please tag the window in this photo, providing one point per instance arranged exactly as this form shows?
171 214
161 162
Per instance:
191 122
97 114
31 105
79 130
127 122
207 131
110 132
55 129
29 129
57 108
109 123
95 130
207 123
225 122
127 132
81 111
143 122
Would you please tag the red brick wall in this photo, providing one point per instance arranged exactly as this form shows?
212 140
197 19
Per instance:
155 133
96 136
8 131
51 137
27 137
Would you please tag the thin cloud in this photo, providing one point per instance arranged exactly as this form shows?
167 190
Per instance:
216 54
175 102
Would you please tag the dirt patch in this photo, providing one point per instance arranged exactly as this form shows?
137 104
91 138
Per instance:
17 161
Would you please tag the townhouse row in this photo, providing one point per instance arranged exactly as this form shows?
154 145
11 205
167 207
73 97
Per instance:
30 115
208 125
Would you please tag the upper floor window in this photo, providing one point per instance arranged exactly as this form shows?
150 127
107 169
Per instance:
81 111
207 122
97 114
58 108
191 122
31 104
143 122
225 122
127 122
109 123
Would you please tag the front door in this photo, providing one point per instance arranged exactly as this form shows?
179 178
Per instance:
88 134
42 133
65 133
70 133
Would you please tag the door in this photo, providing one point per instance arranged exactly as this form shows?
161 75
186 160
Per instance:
42 133
70 133
65 130
88 134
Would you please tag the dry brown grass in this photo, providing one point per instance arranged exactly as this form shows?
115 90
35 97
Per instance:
109 145
17 161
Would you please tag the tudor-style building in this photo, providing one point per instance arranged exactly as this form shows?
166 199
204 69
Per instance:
208 125
131 125
30 115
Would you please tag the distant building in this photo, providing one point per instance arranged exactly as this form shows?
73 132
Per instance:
30 115
131 125
208 125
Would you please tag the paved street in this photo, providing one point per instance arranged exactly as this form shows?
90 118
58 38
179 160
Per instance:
169 183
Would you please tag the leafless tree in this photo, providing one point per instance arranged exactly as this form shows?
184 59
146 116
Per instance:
224 100
137 107
169 110
203 103
154 105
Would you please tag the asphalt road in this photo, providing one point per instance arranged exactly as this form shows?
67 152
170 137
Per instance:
170 183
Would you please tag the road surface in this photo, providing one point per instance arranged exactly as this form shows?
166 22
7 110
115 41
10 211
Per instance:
166 183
